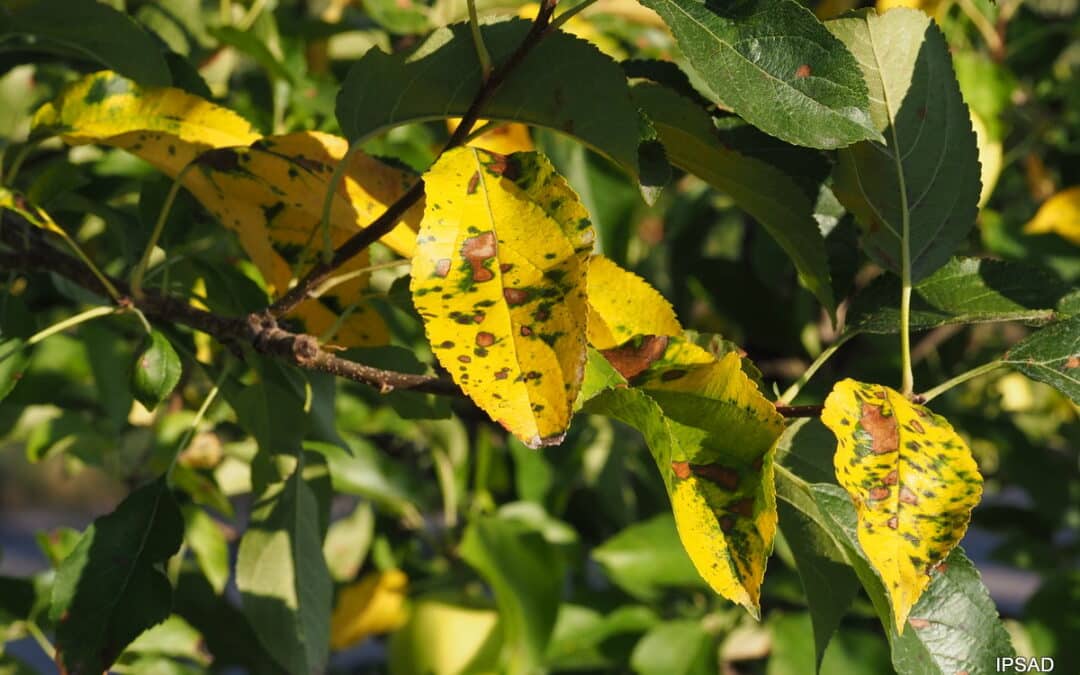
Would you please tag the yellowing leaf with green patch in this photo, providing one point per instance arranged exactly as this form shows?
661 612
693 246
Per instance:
1060 215
622 305
165 126
499 277
912 479
713 436
18 203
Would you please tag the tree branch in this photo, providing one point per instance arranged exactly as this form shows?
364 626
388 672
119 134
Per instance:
389 218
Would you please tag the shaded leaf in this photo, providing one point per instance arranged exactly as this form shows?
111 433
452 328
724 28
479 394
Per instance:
282 577
348 541
1051 355
768 194
912 479
525 575
14 359
90 30
916 193
965 290
775 65
1060 214
111 588
712 435
499 278
954 627
156 371
622 305
565 84
18 203
681 647
373 605
586 639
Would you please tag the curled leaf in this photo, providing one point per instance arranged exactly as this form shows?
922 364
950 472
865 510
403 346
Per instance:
912 479
499 278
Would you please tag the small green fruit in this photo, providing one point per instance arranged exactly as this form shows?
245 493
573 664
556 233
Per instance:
156 371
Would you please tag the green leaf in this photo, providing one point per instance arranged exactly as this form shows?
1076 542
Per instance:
852 652
675 648
525 575
362 470
585 639
646 558
499 277
348 541
918 191
285 588
86 29
14 359
445 636
156 371
207 541
111 588
774 64
913 481
1051 355
953 627
773 198
565 84
965 290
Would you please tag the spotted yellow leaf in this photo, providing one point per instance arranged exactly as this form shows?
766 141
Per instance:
623 305
373 605
1060 215
503 138
499 277
713 436
912 479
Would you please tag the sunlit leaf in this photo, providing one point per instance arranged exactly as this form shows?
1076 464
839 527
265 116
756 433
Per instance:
503 139
499 278
1060 215
446 637
623 305
920 189
776 66
371 606
712 435
768 194
991 158
912 479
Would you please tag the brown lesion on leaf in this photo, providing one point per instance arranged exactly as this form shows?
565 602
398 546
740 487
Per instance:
474 181
485 339
681 470
477 251
1073 362
722 476
803 71
893 522
917 426
891 478
907 496
631 360
882 428
442 267
919 624
744 507
878 493
515 296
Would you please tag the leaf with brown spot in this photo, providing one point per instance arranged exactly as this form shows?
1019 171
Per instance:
515 317
622 305
912 479
1051 355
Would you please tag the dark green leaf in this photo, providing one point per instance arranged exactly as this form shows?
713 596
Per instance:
156 371
953 627
585 639
775 65
17 598
285 587
361 470
87 29
965 290
109 354
1052 617
918 191
564 84
14 358
647 557
525 574
770 196
1051 355
111 588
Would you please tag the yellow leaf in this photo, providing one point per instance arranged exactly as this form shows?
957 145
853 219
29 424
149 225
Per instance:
583 28
443 637
990 157
930 7
499 278
373 605
167 127
504 139
721 475
912 479
1060 214
622 305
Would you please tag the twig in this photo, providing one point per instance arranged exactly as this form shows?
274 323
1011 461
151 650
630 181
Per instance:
386 222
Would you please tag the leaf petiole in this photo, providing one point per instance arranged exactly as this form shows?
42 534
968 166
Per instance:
945 386
791 392
478 40
139 273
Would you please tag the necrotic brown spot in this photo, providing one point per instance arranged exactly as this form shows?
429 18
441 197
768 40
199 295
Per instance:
478 250
879 493
442 267
473 182
681 469
629 360
485 339
907 496
722 476
515 296
883 430
803 71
